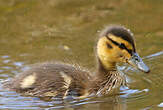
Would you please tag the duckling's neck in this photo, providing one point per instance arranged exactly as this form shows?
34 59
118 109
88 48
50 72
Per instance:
104 66
104 70
104 80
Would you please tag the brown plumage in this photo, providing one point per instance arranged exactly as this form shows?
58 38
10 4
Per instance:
115 44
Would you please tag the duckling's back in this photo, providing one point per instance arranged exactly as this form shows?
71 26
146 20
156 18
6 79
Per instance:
51 79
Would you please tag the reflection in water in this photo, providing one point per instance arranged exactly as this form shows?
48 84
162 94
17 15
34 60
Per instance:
155 55
12 100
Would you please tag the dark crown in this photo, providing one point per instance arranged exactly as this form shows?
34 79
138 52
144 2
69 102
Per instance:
119 31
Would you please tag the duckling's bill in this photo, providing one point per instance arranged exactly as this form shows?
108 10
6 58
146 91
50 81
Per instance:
137 62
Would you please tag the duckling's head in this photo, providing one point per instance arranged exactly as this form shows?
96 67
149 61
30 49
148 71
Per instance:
116 44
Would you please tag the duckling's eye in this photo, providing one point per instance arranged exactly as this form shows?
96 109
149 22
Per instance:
122 46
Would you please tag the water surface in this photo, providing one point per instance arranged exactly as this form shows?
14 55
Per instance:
38 31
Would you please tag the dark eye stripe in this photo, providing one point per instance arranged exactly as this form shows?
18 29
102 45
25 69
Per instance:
113 41
122 46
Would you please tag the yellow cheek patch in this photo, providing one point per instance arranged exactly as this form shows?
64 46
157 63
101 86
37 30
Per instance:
105 53
109 56
28 81
102 49
120 40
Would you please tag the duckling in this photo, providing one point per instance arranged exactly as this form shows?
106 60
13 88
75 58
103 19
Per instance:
60 80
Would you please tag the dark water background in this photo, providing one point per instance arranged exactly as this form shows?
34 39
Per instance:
33 31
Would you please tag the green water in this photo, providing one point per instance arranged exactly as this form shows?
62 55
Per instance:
67 30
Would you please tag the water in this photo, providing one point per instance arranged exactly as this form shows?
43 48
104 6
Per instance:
39 31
